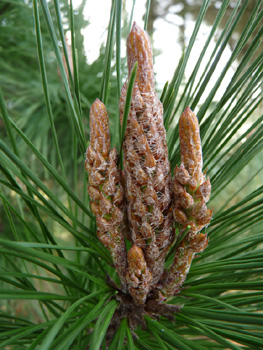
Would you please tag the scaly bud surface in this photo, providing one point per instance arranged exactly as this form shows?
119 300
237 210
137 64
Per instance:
146 165
138 276
191 191
105 189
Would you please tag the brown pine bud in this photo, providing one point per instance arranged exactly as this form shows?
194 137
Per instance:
191 192
190 144
99 130
139 50
138 276
173 280
146 165
105 189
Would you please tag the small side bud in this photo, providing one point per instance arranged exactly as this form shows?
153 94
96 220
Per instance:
138 276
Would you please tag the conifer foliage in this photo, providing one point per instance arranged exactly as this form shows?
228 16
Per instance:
158 244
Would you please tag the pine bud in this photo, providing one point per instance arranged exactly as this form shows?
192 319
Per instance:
191 192
190 144
146 165
138 276
173 280
105 189
191 189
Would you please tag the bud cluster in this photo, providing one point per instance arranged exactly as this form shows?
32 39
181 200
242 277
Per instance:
145 202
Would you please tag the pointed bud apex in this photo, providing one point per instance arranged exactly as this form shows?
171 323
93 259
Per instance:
139 50
190 143
138 276
99 129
